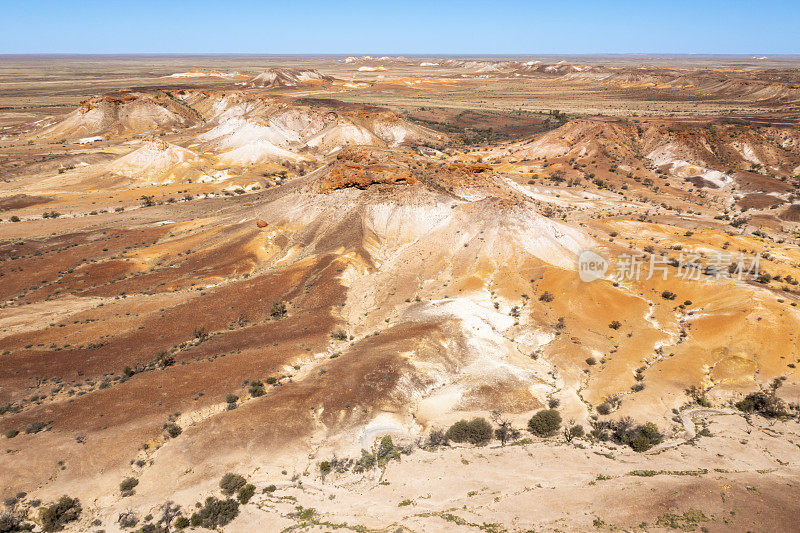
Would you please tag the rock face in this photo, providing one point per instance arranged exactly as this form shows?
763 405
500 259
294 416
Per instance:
156 160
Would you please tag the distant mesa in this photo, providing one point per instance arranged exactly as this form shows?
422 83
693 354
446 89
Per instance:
210 74
289 77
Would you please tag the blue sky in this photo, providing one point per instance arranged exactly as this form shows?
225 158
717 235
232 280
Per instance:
410 27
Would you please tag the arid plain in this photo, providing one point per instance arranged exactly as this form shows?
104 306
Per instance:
305 271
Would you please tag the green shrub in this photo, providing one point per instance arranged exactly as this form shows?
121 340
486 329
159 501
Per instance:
181 522
366 462
245 493
128 484
215 513
545 423
65 510
257 391
477 431
11 433
172 430
230 483
231 398
386 451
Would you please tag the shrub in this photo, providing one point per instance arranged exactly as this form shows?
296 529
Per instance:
765 403
245 493
624 431
278 310
215 513
181 522
386 451
10 522
339 334
615 324
546 297
128 484
172 430
668 295
325 467
65 510
231 398
257 389
604 408
436 438
366 462
11 433
230 483
35 427
127 519
163 359
477 431
591 361
545 423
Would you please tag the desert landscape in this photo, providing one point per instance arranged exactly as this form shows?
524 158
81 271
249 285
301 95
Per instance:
399 293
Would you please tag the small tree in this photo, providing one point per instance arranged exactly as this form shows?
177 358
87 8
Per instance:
573 431
505 432
545 423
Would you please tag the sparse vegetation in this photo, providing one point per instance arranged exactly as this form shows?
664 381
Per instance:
626 432
765 402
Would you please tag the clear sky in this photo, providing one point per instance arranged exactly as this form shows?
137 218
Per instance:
408 27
